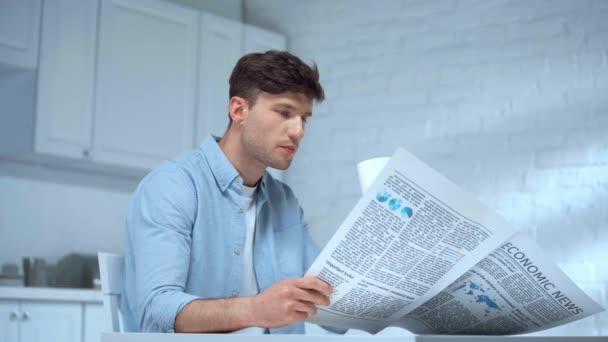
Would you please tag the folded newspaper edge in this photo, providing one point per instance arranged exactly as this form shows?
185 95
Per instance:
419 253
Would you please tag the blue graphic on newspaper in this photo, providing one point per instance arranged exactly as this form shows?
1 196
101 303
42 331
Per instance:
394 204
478 293
407 211
383 196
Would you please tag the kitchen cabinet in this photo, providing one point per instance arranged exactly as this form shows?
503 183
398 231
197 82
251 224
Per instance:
126 99
50 321
19 30
50 314
146 82
121 85
32 321
66 78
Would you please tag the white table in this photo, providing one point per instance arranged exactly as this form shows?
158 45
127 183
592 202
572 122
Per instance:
140 337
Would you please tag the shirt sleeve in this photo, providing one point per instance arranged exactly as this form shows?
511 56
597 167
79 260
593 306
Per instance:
159 227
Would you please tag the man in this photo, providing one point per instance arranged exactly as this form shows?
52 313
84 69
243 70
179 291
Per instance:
214 242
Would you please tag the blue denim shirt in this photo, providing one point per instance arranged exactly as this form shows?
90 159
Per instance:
185 226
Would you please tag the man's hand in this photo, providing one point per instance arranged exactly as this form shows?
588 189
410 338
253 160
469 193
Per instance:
283 303
289 301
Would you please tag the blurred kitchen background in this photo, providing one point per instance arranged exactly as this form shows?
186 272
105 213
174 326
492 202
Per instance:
507 98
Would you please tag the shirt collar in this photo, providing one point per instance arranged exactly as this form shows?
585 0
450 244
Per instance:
222 169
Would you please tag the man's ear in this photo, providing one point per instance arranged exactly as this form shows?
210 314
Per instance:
238 109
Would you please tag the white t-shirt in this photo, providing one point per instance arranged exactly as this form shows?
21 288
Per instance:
249 283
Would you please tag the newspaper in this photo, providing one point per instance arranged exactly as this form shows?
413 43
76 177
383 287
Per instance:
419 253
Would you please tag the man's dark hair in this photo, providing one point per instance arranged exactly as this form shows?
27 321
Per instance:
274 72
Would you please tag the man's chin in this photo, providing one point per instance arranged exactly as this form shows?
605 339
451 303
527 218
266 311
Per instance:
280 165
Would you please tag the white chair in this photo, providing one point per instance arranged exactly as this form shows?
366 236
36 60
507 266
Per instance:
111 268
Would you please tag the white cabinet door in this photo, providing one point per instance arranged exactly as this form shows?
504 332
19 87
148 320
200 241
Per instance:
220 48
146 69
93 322
256 39
9 321
64 111
259 40
46 321
19 29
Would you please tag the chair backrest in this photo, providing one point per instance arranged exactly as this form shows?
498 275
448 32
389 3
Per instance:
111 267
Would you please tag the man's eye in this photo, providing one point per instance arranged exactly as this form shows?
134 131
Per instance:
284 114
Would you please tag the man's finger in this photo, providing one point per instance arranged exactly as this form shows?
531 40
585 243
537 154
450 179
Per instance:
314 283
306 307
321 299
312 296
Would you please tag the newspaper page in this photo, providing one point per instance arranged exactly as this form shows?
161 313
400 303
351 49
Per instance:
514 290
410 236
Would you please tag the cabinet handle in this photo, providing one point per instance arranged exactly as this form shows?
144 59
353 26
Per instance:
85 153
13 315
25 316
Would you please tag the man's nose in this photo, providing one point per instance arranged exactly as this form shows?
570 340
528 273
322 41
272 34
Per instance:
296 129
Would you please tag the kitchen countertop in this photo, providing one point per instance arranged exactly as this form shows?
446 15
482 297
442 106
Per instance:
51 294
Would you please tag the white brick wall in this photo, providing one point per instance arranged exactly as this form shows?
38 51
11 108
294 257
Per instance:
507 98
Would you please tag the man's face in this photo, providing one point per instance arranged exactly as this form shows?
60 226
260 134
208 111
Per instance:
274 127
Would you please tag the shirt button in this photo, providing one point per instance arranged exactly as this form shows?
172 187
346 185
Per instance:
237 251
241 210
238 179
